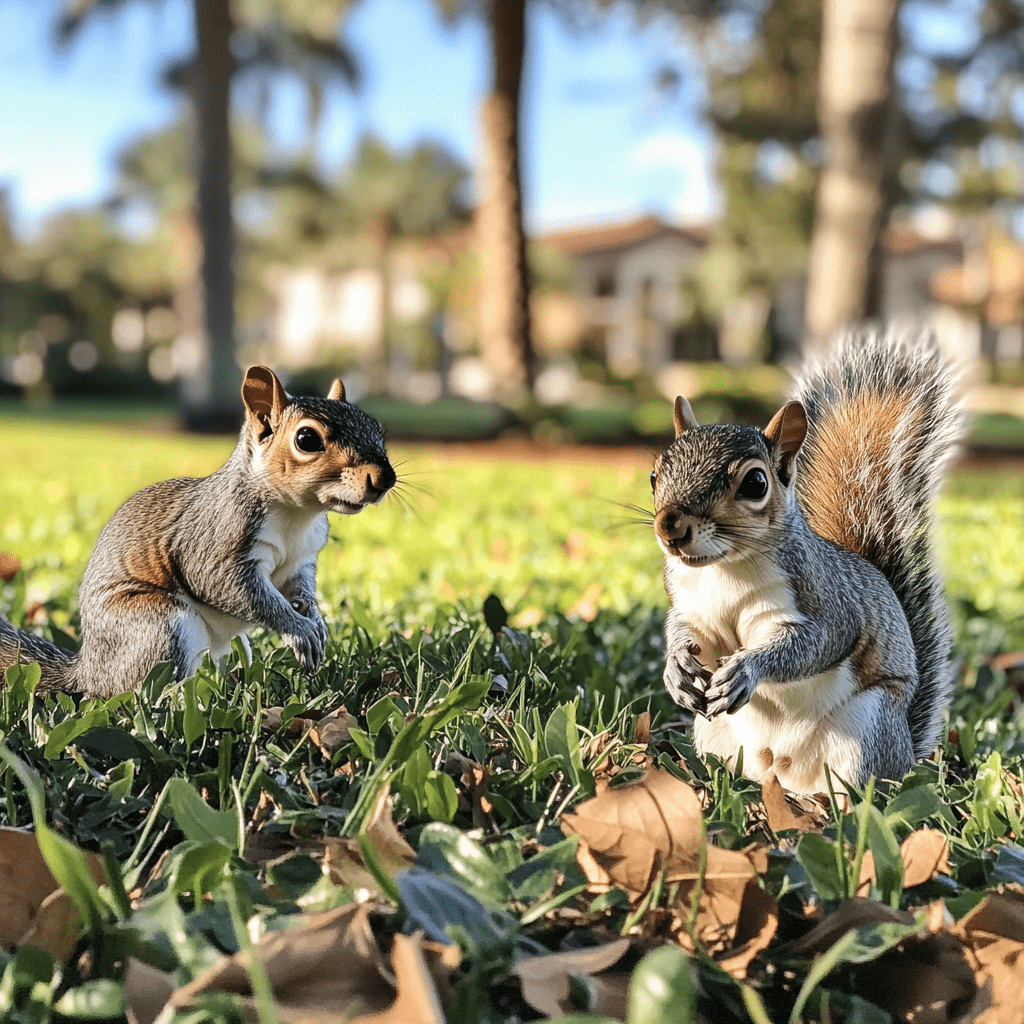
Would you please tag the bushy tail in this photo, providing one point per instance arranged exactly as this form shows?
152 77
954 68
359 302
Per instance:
884 419
17 645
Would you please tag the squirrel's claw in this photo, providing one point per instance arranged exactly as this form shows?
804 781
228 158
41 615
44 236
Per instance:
684 678
732 685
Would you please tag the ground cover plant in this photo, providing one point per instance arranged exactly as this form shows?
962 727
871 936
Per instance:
483 807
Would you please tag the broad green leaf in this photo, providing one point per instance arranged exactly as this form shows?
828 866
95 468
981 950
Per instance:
194 721
440 796
562 740
381 712
22 680
817 856
451 853
494 614
66 732
198 820
98 999
200 869
110 741
886 851
663 988
442 908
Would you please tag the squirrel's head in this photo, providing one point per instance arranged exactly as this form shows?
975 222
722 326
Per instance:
314 453
720 490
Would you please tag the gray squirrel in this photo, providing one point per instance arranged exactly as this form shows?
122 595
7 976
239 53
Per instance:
807 623
186 565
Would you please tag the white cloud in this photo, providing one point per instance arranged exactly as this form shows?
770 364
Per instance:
677 171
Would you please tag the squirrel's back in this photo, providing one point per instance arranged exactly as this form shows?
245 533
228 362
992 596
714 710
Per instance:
883 422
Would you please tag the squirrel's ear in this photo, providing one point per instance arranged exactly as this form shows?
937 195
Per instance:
786 433
683 416
264 397
337 392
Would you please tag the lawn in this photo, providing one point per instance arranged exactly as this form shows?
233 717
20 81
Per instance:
423 807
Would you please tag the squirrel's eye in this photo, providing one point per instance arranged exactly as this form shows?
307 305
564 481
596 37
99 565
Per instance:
308 440
654 478
754 486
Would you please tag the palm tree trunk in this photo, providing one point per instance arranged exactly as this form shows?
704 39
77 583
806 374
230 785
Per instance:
210 392
505 340
857 113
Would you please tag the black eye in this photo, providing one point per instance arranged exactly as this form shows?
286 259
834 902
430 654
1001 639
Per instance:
654 478
754 486
308 440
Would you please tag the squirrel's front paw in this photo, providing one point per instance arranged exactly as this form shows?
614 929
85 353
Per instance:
308 647
732 685
309 610
685 678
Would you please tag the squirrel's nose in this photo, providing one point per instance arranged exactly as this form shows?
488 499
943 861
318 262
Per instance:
380 479
674 528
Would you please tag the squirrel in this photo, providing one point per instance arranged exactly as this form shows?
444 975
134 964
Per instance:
807 623
186 565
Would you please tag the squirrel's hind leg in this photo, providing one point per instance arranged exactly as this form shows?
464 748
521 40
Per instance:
121 644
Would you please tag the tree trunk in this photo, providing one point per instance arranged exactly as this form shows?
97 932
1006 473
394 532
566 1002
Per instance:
210 388
505 340
857 112
382 232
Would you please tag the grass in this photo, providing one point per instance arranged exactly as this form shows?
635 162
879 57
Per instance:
542 685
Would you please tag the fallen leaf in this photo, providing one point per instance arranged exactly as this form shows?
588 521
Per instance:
642 729
34 909
344 856
332 731
302 966
417 1001
146 991
546 986
994 933
471 788
631 834
854 912
781 815
273 720
9 565
925 854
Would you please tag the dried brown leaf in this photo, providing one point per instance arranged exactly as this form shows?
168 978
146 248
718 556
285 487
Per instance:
34 910
146 991
344 857
332 731
632 834
9 565
634 831
994 934
302 966
545 980
781 815
642 731
417 1001
925 853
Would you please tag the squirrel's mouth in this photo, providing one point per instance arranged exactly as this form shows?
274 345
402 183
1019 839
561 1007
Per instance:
695 561
346 508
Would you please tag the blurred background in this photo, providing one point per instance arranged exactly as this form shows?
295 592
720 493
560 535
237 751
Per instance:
531 217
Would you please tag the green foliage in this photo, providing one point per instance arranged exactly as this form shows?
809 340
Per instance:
453 633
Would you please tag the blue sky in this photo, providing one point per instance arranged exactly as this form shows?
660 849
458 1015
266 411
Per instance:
597 145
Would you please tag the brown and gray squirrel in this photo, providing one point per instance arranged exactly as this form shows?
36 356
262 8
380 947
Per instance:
807 624
186 565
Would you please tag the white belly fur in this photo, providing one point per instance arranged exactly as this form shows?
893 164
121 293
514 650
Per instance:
285 544
794 728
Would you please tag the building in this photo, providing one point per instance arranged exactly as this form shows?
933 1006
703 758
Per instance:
628 283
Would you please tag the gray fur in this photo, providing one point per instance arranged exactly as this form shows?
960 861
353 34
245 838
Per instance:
884 615
203 533
893 513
